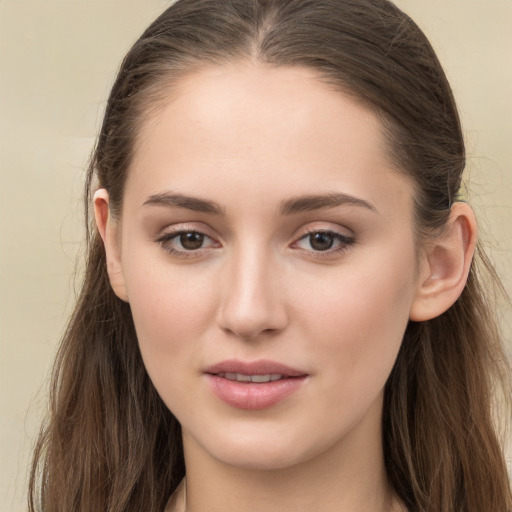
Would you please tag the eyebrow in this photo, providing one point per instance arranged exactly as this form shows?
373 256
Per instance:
195 204
289 207
318 202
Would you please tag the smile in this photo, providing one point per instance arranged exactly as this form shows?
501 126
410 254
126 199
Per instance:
253 385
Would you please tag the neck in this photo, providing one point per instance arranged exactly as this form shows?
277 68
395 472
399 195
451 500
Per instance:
348 477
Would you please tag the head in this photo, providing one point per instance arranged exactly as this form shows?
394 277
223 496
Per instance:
365 60
368 54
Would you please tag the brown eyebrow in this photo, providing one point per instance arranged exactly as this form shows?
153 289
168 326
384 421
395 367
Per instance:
317 202
288 207
181 201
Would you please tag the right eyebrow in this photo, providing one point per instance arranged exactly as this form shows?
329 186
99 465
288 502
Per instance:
182 201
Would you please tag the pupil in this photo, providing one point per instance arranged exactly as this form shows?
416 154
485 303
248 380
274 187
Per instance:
321 241
192 240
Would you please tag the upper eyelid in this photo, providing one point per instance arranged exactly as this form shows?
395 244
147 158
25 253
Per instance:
340 236
185 227
308 231
301 232
323 227
169 233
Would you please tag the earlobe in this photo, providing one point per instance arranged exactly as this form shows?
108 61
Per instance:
109 232
446 265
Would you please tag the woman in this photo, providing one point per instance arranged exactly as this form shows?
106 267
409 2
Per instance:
281 293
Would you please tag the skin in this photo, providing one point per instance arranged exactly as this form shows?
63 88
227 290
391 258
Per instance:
250 139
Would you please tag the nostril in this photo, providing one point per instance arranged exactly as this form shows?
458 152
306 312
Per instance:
251 333
252 306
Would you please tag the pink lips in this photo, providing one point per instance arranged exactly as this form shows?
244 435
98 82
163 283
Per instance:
275 382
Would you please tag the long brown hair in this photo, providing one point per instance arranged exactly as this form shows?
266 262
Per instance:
110 443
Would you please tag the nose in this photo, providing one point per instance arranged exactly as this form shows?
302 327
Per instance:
252 303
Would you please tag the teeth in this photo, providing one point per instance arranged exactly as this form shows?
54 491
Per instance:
239 377
265 378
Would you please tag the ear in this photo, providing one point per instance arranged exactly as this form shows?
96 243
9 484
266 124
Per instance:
110 234
446 263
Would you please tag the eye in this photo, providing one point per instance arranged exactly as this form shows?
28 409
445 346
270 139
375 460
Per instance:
190 241
184 242
324 241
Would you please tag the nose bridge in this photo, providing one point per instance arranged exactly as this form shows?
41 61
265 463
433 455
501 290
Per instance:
252 300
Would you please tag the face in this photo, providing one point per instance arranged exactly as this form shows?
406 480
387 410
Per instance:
266 248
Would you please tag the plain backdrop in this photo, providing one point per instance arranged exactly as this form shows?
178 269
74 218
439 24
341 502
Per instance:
57 63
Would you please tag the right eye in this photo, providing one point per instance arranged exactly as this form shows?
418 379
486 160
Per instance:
186 242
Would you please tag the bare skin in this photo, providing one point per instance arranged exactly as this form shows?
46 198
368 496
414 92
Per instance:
264 221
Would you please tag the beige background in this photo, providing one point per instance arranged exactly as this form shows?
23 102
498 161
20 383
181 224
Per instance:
57 61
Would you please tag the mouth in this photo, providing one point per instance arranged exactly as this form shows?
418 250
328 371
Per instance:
253 385
240 377
262 370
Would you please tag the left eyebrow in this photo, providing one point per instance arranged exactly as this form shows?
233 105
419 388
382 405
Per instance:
318 202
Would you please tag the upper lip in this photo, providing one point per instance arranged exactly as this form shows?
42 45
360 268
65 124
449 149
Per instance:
260 367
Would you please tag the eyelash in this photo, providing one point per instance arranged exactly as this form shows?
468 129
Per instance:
168 238
344 242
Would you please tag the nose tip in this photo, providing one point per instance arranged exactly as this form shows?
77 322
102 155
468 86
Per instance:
249 318
253 306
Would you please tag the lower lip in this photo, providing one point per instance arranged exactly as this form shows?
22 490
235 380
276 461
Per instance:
254 396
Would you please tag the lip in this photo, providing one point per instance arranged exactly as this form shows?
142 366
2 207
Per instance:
249 395
260 367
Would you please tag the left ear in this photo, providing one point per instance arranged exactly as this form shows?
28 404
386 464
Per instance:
445 265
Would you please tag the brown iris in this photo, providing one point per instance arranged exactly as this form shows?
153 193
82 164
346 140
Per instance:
191 240
321 241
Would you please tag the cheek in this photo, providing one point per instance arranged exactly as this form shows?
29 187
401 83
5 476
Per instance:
357 323
171 308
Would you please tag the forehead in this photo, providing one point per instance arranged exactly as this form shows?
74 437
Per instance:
262 130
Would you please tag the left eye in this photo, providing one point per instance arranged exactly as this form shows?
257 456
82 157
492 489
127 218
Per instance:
321 241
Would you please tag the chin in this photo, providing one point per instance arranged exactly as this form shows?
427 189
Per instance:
264 450
260 459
